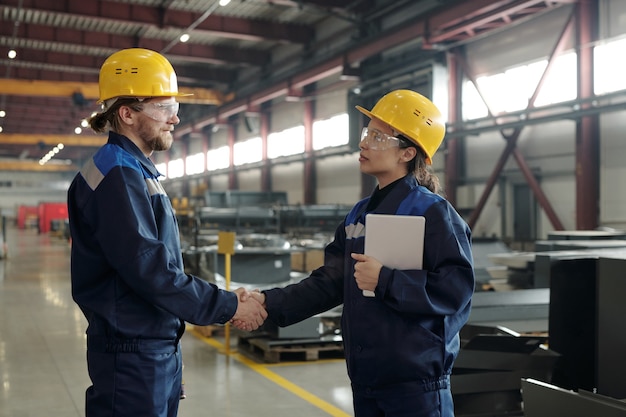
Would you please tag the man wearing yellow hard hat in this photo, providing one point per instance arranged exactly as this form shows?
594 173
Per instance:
126 263
401 340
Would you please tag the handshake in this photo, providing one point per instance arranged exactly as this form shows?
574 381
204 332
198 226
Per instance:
250 314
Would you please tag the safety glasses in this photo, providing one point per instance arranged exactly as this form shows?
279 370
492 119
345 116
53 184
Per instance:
161 112
377 140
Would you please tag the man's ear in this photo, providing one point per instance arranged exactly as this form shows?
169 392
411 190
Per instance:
126 115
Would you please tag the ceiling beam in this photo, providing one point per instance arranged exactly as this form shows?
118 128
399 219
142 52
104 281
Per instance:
341 7
51 140
253 30
90 91
34 166
148 17
61 40
48 88
42 64
472 19
299 3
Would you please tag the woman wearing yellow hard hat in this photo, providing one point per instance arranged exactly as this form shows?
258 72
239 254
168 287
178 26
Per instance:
401 341
127 271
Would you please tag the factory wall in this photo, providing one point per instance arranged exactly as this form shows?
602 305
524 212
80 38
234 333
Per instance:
613 170
289 178
339 179
549 149
612 126
219 182
31 188
249 180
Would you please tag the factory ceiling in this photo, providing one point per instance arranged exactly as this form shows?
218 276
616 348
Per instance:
238 56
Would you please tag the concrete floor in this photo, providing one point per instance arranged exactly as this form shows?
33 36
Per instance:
42 352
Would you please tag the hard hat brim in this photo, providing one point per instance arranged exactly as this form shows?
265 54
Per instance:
366 112
102 100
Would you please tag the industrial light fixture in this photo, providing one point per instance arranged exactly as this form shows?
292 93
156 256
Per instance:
12 53
51 154
216 127
184 37
350 73
2 112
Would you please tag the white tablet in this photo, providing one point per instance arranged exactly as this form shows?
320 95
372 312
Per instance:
395 241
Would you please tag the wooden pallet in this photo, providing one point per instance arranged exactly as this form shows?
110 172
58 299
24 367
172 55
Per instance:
280 350
209 331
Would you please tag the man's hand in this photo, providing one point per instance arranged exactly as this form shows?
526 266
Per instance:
250 313
259 296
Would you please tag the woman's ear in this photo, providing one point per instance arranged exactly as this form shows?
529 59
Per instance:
408 153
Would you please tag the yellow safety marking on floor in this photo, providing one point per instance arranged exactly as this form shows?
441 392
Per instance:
275 378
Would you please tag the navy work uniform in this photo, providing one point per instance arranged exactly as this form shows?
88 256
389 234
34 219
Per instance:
128 279
400 346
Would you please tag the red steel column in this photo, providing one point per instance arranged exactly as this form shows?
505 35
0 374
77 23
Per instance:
454 112
587 128
233 182
310 173
266 170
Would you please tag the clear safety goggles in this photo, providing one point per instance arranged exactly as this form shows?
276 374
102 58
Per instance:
377 140
161 112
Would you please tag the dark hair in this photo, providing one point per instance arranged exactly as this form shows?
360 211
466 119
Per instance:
423 172
109 117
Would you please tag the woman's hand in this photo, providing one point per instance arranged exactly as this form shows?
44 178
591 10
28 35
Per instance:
366 271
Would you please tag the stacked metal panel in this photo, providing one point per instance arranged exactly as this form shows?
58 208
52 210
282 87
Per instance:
487 374
547 400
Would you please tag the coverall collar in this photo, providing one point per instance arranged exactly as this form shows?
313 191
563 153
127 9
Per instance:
126 144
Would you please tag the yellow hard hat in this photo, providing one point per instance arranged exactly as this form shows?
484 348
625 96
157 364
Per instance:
137 72
412 115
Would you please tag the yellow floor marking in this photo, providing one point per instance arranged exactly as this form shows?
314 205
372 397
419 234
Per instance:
275 378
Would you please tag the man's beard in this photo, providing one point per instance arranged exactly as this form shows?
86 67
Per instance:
161 142
156 139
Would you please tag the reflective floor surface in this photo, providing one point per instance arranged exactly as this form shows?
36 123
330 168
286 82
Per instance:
42 352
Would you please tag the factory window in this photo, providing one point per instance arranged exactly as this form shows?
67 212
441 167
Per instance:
330 132
175 168
520 83
561 83
287 142
194 164
473 105
248 151
162 168
609 67
218 158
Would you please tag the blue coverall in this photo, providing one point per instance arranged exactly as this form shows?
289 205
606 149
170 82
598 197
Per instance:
128 279
400 345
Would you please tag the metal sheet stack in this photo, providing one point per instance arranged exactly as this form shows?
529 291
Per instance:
487 374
